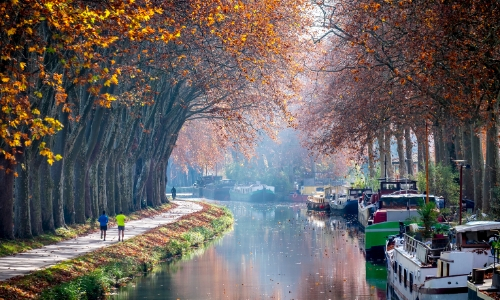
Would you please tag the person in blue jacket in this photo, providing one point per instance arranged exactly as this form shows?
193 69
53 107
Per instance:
103 220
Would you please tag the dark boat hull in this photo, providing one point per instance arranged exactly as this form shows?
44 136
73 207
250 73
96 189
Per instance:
318 206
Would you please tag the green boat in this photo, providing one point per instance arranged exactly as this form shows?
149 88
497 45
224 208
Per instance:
394 209
252 193
375 237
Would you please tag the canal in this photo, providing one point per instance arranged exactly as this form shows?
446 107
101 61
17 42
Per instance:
276 251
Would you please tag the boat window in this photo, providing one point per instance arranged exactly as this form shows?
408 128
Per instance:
405 279
399 273
411 282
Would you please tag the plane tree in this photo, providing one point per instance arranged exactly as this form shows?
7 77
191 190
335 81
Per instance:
118 81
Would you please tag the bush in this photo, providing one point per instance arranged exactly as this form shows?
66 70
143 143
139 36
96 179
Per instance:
222 223
176 247
69 291
194 238
91 286
206 232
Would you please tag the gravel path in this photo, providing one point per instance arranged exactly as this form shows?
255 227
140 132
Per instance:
26 262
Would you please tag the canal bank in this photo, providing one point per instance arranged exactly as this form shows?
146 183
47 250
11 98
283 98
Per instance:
107 266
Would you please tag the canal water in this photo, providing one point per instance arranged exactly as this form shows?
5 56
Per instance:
275 251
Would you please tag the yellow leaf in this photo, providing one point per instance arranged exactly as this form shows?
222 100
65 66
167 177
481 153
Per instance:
5 79
14 2
11 31
38 94
35 111
58 157
178 34
107 83
114 79
27 143
50 161
22 65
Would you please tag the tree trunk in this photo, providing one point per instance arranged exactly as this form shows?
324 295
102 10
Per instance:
163 181
36 203
92 206
6 199
388 152
101 189
438 149
421 151
409 152
22 219
69 192
467 180
371 160
46 188
492 163
401 152
381 153
80 170
477 168
111 185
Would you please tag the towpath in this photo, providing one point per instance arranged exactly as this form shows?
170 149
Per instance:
26 262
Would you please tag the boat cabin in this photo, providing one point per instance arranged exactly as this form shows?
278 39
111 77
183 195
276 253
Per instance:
355 194
398 207
476 234
401 186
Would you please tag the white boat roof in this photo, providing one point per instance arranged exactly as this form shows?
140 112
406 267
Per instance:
404 195
478 225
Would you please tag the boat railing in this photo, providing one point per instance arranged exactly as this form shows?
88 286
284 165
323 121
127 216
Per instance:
422 251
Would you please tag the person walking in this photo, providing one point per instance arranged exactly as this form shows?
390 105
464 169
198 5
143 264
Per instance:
120 221
174 192
103 221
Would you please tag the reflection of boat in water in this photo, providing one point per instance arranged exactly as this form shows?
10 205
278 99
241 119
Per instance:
297 197
318 202
254 193
318 218
376 276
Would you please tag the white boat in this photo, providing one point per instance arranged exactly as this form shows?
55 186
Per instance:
255 193
349 203
439 268
318 202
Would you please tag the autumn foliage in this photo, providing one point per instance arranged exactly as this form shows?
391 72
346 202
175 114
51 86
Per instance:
106 87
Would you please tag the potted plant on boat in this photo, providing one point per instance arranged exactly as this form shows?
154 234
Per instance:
428 217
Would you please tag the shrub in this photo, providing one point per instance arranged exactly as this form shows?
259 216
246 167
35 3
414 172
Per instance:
206 232
194 238
222 223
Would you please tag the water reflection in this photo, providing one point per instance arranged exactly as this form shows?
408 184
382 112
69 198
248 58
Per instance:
275 251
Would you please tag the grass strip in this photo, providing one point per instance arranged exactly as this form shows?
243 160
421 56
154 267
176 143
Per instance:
11 247
92 276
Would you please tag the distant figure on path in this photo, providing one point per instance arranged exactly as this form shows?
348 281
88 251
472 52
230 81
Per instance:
103 220
120 221
174 192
